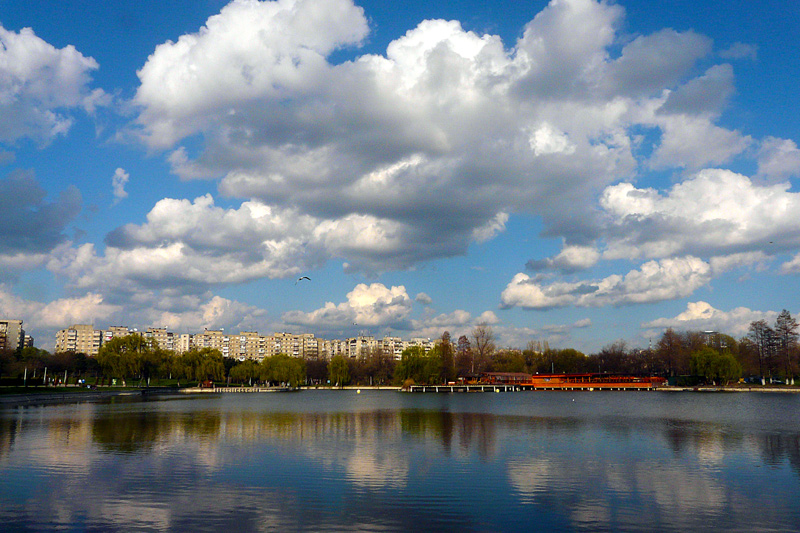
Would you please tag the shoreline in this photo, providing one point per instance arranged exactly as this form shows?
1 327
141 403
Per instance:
44 398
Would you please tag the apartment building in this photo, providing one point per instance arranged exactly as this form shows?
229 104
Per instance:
214 339
184 343
164 338
12 336
115 331
243 345
81 338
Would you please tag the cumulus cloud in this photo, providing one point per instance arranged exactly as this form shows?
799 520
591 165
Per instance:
654 281
163 308
694 142
714 211
40 86
29 224
366 305
249 51
436 143
118 182
570 259
423 298
702 316
215 313
199 242
56 314
778 159
792 266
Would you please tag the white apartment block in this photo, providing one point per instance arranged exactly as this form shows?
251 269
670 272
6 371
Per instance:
81 338
115 331
164 338
243 345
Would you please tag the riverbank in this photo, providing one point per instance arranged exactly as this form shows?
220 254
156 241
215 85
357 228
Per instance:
66 395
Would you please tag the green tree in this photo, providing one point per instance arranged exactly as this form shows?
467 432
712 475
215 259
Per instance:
713 366
129 356
283 369
338 372
419 367
199 365
244 371
508 361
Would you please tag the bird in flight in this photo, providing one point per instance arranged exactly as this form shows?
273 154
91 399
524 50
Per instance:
301 278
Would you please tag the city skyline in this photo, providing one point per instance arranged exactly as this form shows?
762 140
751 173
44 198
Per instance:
573 171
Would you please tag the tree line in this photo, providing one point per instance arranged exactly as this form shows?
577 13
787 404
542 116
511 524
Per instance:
767 352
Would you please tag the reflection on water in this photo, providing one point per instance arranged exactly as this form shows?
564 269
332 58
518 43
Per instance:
328 461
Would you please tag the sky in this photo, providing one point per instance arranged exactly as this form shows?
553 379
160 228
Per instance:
573 171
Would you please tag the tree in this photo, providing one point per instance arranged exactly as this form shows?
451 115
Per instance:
508 361
463 359
613 358
448 358
199 365
786 337
338 372
668 351
763 338
418 367
484 346
244 371
284 369
129 356
714 366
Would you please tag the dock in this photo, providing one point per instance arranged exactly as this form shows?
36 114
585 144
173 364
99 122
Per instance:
462 388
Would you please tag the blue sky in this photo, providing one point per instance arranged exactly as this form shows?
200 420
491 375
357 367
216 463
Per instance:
572 171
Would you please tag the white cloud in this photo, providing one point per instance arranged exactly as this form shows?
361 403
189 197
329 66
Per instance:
215 313
249 51
118 182
423 298
569 259
654 281
366 305
702 316
713 211
740 51
399 158
792 266
58 313
778 159
695 142
40 85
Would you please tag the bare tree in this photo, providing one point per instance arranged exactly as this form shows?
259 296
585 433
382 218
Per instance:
668 350
786 337
484 345
763 338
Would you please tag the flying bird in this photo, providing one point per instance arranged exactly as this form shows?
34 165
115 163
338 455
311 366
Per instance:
301 278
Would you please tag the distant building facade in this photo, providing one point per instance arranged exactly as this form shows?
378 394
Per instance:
243 345
79 338
12 336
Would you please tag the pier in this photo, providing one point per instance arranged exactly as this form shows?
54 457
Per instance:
462 388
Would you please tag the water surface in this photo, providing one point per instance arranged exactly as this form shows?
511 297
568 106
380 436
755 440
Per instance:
388 461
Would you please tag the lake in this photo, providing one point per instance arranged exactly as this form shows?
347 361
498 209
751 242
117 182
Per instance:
390 461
